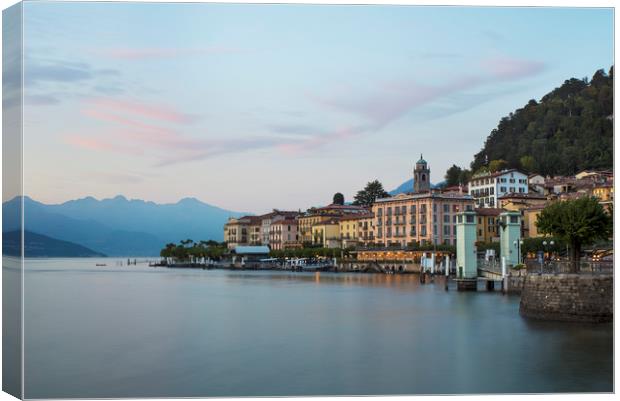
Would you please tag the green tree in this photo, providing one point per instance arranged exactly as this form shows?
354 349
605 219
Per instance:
497 165
373 191
453 175
338 199
568 130
528 163
578 222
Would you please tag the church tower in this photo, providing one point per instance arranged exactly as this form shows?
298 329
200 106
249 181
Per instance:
421 176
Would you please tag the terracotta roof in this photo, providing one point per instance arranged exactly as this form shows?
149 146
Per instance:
358 216
488 211
423 195
285 222
341 207
514 195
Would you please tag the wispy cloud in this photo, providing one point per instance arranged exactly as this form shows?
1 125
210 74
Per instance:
47 81
508 68
143 129
114 107
128 53
391 100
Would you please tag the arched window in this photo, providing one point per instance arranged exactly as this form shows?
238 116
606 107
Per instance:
423 177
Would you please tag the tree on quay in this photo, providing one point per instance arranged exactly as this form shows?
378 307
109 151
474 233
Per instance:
338 199
578 222
371 192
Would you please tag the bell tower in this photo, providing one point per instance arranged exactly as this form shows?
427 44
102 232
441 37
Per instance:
421 176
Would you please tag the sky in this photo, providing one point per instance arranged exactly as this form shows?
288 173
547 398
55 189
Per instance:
255 107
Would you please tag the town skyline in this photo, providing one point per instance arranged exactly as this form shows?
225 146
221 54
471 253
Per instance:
244 111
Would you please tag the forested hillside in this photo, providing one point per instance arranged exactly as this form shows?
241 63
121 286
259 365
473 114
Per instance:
569 130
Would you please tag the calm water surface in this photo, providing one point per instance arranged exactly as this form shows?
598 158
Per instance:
150 332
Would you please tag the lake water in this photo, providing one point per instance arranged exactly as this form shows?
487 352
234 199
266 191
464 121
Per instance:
153 332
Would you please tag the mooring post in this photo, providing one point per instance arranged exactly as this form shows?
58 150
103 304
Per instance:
504 276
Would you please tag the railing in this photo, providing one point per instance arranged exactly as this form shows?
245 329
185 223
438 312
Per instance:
565 266
490 265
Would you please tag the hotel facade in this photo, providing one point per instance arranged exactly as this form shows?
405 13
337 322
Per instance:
487 189
419 218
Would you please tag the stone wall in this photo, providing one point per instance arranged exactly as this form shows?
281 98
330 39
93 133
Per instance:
568 297
515 281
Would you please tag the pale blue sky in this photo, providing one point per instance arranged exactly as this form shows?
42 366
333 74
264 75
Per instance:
253 107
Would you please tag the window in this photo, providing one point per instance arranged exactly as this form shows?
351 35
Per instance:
502 189
412 209
514 219
435 230
423 231
403 209
446 208
413 231
480 233
492 191
470 218
389 211
446 218
379 212
446 230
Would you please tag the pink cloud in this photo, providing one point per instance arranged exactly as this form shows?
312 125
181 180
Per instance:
159 53
392 100
512 68
142 109
138 128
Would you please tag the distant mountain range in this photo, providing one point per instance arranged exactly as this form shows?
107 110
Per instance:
118 226
407 186
38 246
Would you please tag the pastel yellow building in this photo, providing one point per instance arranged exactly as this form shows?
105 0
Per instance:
486 227
530 215
242 231
318 215
326 234
356 230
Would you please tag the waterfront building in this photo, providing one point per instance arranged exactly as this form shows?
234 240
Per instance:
242 231
269 218
242 254
487 224
516 201
530 215
283 234
419 218
326 234
421 176
322 214
356 230
487 188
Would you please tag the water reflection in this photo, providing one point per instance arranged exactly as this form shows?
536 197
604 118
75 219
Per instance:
153 332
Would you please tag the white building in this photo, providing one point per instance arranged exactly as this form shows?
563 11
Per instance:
485 189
